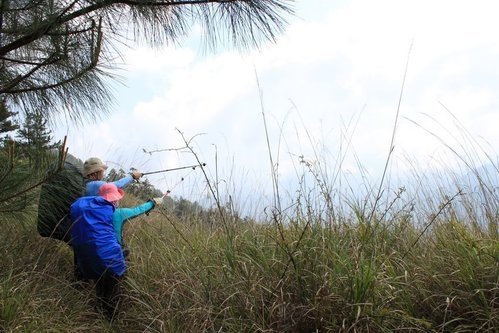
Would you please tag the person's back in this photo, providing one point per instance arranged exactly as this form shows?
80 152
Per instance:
98 253
93 238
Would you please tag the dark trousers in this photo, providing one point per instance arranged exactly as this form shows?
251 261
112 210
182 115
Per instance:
78 275
107 290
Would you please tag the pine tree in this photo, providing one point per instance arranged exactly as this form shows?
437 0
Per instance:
34 139
56 55
6 123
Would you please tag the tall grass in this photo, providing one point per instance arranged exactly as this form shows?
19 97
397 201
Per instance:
378 275
425 259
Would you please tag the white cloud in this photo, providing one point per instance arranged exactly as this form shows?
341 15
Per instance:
197 95
338 62
153 61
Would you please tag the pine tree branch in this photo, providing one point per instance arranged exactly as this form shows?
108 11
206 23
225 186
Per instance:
73 78
45 27
32 38
152 3
21 62
94 55
8 87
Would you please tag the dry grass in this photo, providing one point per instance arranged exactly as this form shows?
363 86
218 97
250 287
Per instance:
303 277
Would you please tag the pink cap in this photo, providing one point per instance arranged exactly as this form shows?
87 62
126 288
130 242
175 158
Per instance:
111 192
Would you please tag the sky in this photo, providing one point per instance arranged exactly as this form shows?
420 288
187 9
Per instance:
343 80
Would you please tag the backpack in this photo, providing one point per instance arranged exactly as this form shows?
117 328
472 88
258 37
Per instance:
56 197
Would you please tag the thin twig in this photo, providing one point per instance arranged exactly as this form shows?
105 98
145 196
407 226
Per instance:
433 218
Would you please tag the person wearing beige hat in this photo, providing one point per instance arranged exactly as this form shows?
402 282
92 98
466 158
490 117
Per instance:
93 171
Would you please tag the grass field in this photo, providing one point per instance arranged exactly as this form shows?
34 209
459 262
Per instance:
421 257
313 270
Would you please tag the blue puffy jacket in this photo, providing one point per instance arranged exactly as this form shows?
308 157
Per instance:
93 238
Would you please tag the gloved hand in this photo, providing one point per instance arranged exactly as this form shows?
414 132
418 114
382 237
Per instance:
157 201
136 174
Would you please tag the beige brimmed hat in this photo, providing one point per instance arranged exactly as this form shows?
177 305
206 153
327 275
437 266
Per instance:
93 164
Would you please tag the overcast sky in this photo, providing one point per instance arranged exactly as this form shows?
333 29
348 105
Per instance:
330 85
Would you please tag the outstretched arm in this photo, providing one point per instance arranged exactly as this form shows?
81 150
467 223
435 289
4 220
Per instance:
120 183
122 215
128 179
130 213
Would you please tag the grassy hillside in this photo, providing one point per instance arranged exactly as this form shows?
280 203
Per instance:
295 273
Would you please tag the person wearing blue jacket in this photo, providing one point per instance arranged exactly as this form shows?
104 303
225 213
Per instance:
93 171
97 243
98 254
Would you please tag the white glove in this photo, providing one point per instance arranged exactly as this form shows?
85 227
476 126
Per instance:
157 201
